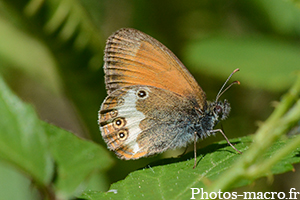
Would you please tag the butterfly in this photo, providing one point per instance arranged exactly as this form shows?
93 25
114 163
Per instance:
153 103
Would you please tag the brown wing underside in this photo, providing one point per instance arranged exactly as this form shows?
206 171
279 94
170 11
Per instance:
134 58
165 122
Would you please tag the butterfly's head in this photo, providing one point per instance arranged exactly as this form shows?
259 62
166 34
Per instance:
220 109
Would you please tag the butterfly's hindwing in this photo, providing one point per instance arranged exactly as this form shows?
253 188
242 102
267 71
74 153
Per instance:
151 119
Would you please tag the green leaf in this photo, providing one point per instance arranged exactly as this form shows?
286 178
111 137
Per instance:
67 21
12 180
288 22
25 53
262 61
24 143
76 159
174 180
22 139
67 30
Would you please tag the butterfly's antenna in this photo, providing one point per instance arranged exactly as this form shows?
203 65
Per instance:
234 82
221 90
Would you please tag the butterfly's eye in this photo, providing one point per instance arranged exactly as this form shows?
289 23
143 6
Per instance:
123 134
119 123
142 94
218 109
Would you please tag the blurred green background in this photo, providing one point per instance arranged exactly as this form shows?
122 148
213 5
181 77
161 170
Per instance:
51 55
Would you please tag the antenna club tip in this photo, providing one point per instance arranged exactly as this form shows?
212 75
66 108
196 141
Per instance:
236 70
238 82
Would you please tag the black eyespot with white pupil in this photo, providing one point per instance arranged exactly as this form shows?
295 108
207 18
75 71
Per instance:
119 123
142 94
123 134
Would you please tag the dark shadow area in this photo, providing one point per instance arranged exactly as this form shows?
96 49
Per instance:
190 155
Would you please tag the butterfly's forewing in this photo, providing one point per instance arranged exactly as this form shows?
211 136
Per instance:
135 125
134 58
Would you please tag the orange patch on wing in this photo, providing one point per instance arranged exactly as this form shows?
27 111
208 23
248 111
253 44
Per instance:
104 117
110 136
110 103
134 58
129 155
